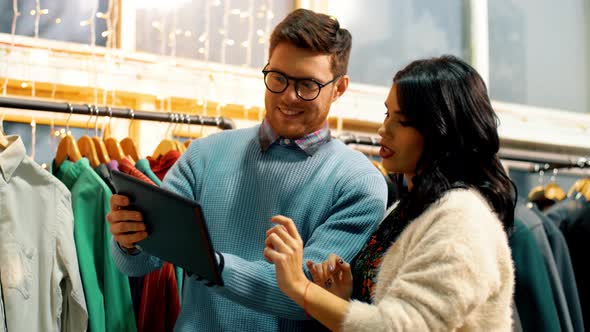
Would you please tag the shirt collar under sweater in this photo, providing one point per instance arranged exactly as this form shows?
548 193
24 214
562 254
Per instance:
309 143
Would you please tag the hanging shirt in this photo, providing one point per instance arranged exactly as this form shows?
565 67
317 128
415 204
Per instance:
113 165
40 278
564 269
128 167
161 165
572 216
532 289
143 165
107 290
535 225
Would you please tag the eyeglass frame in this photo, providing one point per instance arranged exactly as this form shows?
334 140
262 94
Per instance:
296 85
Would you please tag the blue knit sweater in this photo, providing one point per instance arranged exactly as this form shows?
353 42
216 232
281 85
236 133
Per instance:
336 197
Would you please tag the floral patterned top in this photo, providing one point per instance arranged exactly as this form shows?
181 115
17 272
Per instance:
365 266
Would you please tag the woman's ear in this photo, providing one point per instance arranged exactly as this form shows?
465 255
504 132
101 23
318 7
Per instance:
341 87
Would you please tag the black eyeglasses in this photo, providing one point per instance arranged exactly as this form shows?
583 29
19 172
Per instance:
307 89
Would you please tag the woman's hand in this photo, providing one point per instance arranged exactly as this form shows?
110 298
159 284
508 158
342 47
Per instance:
334 275
284 248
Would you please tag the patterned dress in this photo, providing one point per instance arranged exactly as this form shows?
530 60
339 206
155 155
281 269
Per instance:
365 266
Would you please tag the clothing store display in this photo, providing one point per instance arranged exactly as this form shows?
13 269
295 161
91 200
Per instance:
335 196
107 291
450 269
39 273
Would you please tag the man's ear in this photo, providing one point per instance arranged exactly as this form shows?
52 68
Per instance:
341 87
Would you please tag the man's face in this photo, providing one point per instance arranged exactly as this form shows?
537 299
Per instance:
288 115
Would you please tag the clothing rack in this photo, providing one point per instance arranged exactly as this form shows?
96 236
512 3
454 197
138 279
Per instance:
126 113
539 161
360 140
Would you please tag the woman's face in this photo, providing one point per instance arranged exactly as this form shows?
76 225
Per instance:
401 144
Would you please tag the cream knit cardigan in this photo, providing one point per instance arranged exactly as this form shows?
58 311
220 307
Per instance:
450 270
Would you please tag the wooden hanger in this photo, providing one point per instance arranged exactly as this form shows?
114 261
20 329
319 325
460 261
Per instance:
586 190
3 141
379 167
581 186
179 146
554 192
67 147
101 149
114 149
578 186
128 144
87 149
166 145
86 146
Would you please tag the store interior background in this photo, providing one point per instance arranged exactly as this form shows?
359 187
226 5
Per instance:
204 57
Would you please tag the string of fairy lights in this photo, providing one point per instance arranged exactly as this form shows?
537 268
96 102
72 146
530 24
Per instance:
167 25
171 35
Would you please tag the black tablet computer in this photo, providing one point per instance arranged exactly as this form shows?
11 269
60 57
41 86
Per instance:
177 232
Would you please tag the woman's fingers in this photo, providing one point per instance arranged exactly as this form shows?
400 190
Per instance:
289 225
277 244
346 273
281 231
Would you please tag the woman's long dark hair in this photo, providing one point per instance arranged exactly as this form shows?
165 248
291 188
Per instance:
446 100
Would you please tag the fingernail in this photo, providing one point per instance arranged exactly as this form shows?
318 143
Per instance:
331 267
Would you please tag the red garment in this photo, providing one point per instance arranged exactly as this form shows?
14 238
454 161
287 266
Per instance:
127 167
160 304
161 165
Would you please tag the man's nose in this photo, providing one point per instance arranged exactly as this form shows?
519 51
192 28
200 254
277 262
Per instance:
290 93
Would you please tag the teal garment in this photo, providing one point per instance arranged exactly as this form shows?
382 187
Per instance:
335 196
143 165
532 291
107 293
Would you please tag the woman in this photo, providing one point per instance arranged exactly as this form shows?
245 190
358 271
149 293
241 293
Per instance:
440 260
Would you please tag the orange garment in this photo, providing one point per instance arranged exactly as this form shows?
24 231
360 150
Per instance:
160 304
128 167
161 165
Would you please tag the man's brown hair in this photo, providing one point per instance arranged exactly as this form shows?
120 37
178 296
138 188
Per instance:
316 32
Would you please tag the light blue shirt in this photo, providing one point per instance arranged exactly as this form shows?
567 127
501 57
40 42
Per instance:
41 281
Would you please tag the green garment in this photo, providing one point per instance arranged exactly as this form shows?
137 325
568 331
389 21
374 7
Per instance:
107 293
532 292
143 165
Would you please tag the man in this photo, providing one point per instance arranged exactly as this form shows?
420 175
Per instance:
288 165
